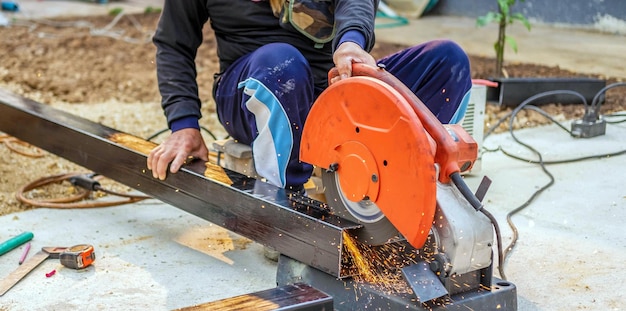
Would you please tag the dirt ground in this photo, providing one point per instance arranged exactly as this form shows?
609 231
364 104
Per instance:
102 68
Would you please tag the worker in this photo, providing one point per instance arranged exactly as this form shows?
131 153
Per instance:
274 58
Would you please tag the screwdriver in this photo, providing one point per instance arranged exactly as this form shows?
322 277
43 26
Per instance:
14 242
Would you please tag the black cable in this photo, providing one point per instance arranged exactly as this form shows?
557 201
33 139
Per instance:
595 156
599 97
496 227
528 101
509 216
89 182
85 183
547 116
153 136
613 115
209 132
511 116
466 191
478 205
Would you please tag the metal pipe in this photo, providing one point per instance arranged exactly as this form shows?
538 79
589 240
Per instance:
293 225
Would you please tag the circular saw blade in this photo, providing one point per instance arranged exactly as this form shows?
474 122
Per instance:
370 138
377 229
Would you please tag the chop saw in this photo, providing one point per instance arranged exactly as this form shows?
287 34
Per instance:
393 188
389 165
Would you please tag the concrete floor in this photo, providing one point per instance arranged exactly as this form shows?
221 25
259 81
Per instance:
569 256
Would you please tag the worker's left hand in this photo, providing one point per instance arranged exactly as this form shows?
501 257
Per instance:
175 151
346 54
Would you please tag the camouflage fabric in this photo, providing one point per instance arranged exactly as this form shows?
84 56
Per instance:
313 18
277 6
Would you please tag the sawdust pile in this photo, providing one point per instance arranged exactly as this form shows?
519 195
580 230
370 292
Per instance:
102 68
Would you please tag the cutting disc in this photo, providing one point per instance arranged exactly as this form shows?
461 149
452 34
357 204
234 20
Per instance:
377 228
379 159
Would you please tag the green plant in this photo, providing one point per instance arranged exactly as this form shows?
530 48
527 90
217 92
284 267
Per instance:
504 17
151 9
115 11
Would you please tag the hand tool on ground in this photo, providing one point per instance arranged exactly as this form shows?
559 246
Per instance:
76 257
15 241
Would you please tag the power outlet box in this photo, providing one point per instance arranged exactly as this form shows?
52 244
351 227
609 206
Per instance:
588 129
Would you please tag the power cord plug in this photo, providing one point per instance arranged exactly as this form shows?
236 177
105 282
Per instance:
85 181
591 125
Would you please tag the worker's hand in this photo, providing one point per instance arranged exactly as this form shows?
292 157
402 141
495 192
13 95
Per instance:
347 54
176 149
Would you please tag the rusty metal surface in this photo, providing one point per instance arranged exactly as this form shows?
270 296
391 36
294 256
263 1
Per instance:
299 296
293 225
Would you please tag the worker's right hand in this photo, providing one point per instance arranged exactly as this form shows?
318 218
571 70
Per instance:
176 149
347 54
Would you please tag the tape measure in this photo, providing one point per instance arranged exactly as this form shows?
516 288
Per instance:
78 256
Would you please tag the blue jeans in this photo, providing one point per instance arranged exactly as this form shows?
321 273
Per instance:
264 97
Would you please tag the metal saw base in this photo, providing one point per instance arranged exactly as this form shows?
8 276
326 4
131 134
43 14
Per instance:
351 295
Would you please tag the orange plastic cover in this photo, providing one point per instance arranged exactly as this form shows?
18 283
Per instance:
380 149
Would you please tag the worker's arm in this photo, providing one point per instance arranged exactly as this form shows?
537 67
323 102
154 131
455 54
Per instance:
355 34
178 36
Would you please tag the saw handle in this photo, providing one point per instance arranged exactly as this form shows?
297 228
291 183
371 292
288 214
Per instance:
447 153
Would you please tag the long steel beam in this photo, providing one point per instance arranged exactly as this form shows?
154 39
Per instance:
293 225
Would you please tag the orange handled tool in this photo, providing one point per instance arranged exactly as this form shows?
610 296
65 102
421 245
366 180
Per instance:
453 153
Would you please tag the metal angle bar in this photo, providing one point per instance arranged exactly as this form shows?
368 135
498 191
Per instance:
293 225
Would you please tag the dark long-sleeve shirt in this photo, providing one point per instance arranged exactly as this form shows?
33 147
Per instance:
240 27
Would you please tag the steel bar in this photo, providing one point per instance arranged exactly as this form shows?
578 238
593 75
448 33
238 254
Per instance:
293 225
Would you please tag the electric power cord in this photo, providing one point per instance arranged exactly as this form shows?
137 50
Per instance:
21 147
599 98
594 108
155 135
614 115
85 183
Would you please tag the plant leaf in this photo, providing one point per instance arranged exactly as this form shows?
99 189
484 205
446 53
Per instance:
520 17
511 42
487 18
503 7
